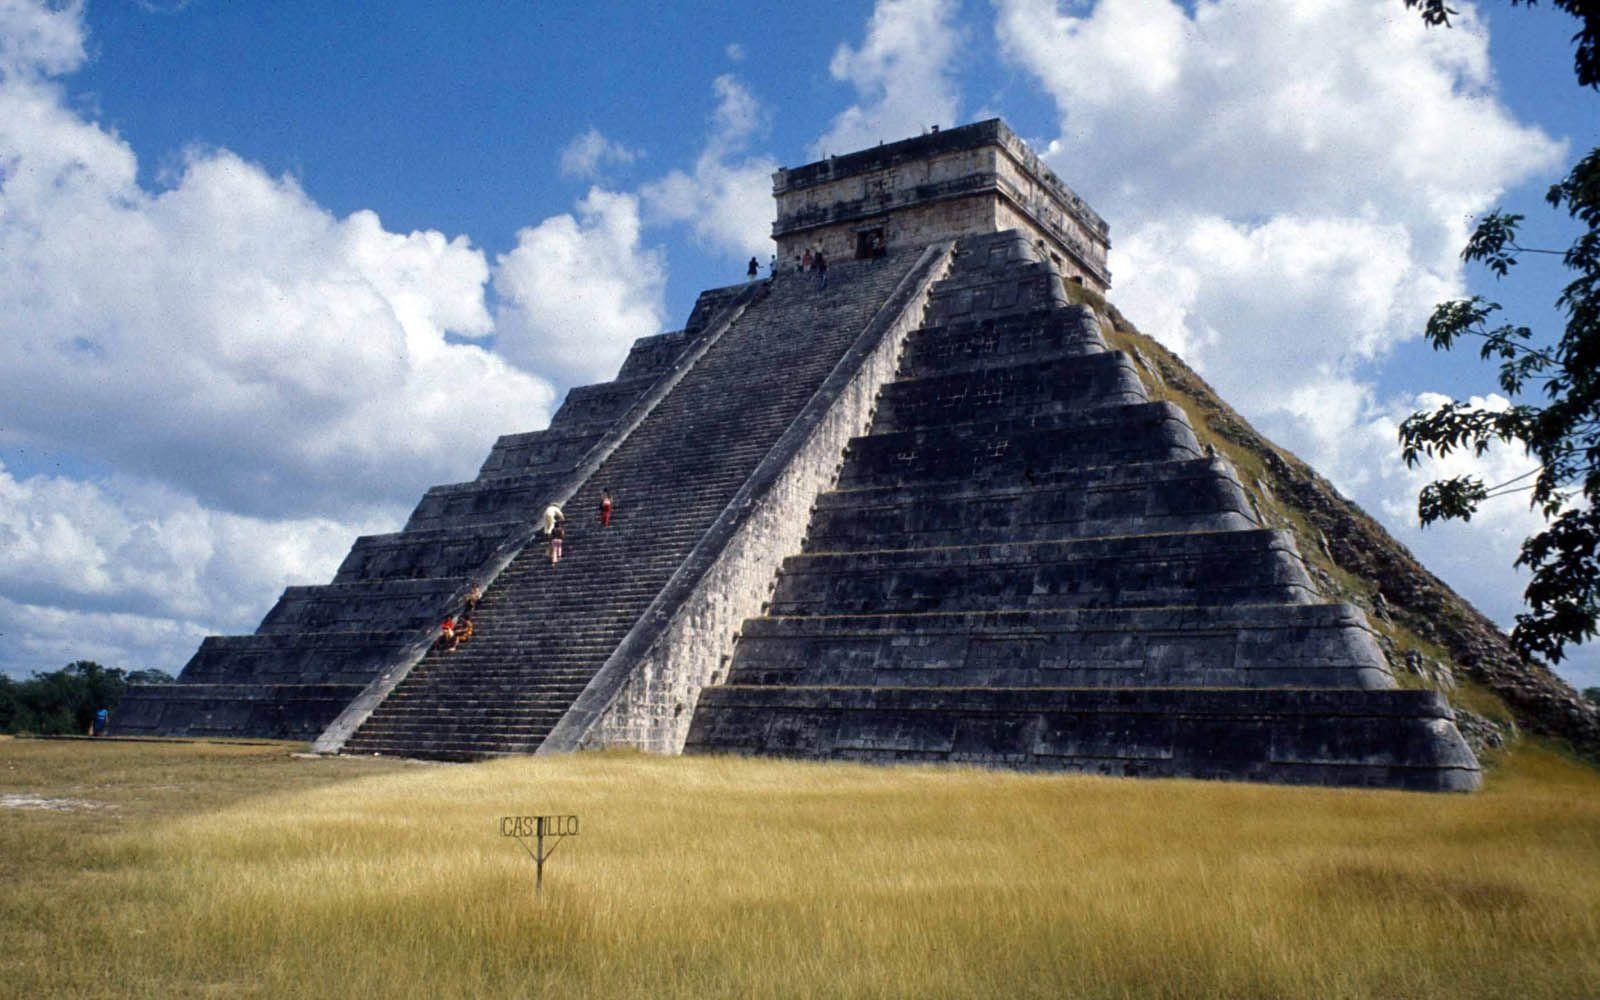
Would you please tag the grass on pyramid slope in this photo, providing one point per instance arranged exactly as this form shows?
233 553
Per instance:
206 870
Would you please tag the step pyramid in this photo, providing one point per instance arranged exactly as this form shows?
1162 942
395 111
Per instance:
922 513
1027 562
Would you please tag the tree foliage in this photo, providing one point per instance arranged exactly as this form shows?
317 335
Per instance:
1554 386
1586 59
64 701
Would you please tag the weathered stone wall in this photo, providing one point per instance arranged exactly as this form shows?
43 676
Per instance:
911 226
1007 216
645 694
979 178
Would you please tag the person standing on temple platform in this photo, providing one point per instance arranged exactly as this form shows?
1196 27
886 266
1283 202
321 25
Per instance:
605 508
820 264
558 534
469 607
805 260
754 270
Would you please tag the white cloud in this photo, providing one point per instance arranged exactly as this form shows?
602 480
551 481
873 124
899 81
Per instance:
1272 306
735 52
36 40
124 570
227 335
901 75
1249 109
590 152
42 637
576 291
727 198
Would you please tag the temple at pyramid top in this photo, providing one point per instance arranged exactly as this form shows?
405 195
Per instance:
979 178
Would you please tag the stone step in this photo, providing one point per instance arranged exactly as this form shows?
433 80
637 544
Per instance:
1308 645
1230 567
1014 392
377 605
1387 739
450 727
264 710
542 452
1032 336
1015 450
296 658
452 751
434 553
1199 495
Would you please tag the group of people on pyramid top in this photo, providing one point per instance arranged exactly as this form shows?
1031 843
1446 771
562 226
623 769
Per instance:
812 260
816 262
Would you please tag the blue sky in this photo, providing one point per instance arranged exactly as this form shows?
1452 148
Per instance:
268 271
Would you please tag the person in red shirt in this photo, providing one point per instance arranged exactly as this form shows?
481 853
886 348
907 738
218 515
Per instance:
605 508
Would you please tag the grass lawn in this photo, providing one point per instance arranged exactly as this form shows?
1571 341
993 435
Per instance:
213 870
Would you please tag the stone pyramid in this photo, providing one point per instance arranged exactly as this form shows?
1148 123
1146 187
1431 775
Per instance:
923 513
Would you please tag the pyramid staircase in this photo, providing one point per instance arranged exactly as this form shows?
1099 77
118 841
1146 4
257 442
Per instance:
1029 563
543 631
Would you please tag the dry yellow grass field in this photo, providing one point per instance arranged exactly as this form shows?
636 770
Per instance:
211 870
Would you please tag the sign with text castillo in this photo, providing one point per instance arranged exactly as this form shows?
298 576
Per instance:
543 830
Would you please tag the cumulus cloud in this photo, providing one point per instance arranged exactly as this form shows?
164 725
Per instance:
1289 185
1298 173
1246 109
42 637
1239 298
901 75
590 153
227 335
36 40
122 570
133 546
577 290
727 197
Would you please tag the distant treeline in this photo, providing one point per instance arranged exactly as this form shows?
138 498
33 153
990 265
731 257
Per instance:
65 700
